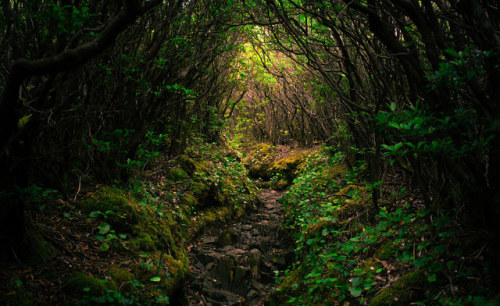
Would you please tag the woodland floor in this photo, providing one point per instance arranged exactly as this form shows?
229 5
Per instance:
228 248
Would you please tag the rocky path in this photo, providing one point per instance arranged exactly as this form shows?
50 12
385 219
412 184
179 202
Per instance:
235 266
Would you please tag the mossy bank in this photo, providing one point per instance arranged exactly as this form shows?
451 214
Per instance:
351 249
126 243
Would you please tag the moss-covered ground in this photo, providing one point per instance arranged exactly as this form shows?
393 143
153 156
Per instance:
126 243
350 251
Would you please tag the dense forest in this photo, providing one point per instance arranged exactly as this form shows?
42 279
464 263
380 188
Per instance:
132 128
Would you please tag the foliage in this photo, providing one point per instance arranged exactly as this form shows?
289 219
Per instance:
346 255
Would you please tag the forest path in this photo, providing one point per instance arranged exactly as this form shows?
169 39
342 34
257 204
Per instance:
234 266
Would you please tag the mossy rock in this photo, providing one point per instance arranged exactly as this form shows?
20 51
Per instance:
34 248
79 281
143 241
153 233
259 161
354 198
409 288
122 277
201 192
385 251
212 216
124 210
187 164
289 164
227 237
370 265
177 174
169 278
191 201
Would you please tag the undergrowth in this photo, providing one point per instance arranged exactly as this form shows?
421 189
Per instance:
128 242
348 250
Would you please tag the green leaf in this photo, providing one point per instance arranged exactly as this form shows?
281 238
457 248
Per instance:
104 228
405 257
432 278
393 106
136 283
452 52
420 262
105 246
355 291
155 279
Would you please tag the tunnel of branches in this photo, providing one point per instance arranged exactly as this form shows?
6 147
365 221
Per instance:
91 89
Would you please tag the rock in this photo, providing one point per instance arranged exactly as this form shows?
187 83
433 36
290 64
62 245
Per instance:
223 271
241 280
243 262
277 259
207 257
236 254
215 294
246 227
227 249
260 288
226 238
208 239
252 295
254 261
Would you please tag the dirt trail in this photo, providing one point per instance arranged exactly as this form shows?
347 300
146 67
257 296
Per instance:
235 266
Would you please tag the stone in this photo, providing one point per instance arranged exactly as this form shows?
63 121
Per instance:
254 261
252 295
207 257
210 265
226 238
208 239
215 294
241 280
223 271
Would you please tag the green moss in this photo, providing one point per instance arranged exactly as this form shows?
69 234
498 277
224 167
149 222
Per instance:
143 241
201 192
369 265
78 281
177 174
259 160
35 248
227 237
124 209
18 298
385 251
187 164
191 201
171 274
354 199
207 218
409 288
120 275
